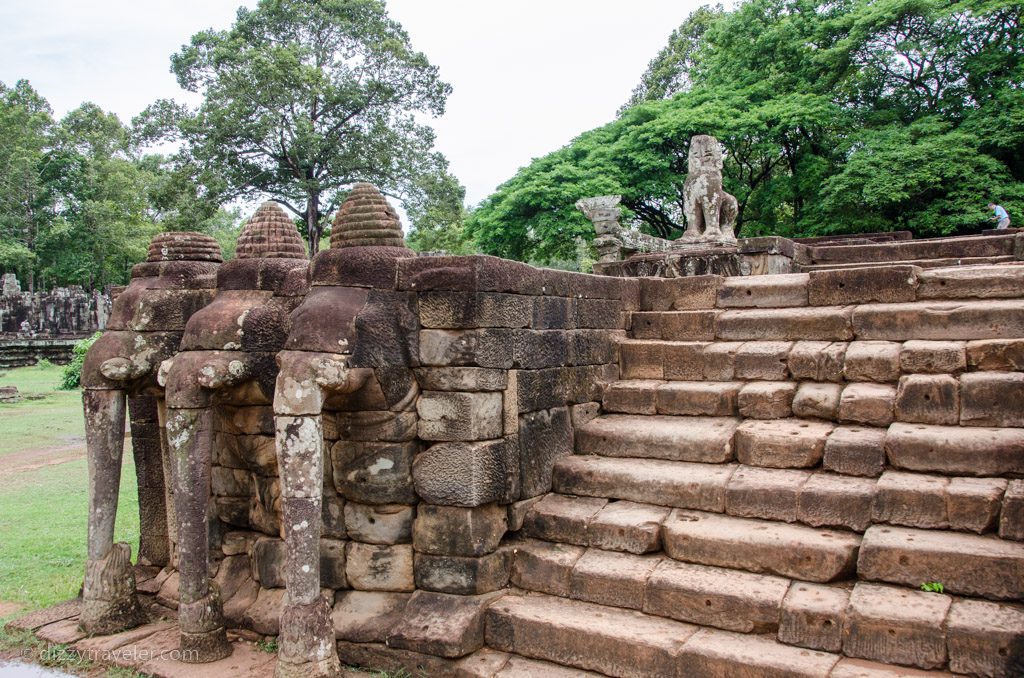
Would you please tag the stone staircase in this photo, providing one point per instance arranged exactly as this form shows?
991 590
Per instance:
784 462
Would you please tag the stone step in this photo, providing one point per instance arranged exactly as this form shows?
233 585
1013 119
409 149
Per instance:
631 644
763 291
955 450
920 263
972 282
970 565
933 248
691 398
699 439
760 546
941 320
822 323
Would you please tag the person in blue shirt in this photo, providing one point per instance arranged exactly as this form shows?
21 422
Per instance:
999 215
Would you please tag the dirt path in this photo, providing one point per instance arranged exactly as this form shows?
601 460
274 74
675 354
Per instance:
28 460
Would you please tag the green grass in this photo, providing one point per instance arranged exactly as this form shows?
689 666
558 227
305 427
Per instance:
43 520
45 416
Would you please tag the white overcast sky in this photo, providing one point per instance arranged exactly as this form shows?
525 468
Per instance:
528 75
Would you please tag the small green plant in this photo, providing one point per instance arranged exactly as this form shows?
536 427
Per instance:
72 376
268 645
933 587
43 362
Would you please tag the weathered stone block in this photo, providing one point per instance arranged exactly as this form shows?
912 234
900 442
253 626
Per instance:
782 443
332 564
367 616
928 399
862 285
482 348
984 639
627 526
832 500
264 616
896 626
679 294
456 415
764 360
544 566
370 567
379 524
636 396
872 361
719 360
933 357
464 576
977 282
813 616
544 437
911 499
766 399
613 579
228 482
1001 355
831 324
457 310
770 494
469 474
819 361
683 359
461 379
955 450
592 347
374 473
1011 517
816 400
865 403
707 398
537 350
562 519
268 562
763 291
554 313
992 399
686 325
973 504
710 596
596 314
441 625
456 531
950 320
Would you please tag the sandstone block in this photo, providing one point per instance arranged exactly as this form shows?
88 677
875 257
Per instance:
704 439
816 400
955 450
457 531
896 626
647 481
810 554
228 482
379 524
374 473
461 379
584 413
832 500
865 403
770 494
441 625
764 360
464 576
973 504
631 397
933 357
483 348
544 567
517 511
613 579
861 668
696 398
455 310
563 519
782 443
862 285
268 561
600 314
627 526
449 416
367 616
950 320
678 294
766 399
984 639
468 474
813 616
264 616
370 567
1011 517
332 564
611 641
977 282
537 350
719 360
710 596
911 499
872 361
823 324
723 653
764 291
928 399
688 325
819 361
682 359
966 564
642 359
1001 355
992 399
544 437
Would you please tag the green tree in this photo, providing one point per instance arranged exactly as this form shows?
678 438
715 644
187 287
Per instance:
437 212
302 98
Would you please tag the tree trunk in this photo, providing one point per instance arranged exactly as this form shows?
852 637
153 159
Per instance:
313 228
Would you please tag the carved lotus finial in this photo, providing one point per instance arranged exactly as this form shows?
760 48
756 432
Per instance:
270 234
366 219
183 246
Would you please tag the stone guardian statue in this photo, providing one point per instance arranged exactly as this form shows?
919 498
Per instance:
710 212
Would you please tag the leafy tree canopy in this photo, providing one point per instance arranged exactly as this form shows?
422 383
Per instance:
848 116
302 98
